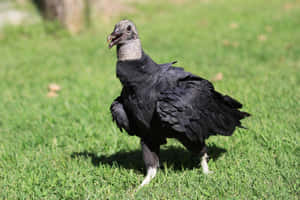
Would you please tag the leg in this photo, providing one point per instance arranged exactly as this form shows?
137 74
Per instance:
199 150
204 164
151 159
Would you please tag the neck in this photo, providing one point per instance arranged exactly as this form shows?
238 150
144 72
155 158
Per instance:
131 50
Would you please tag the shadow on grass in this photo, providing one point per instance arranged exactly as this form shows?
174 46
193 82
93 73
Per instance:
176 158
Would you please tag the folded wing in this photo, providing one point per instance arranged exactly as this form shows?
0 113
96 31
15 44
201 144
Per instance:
194 108
119 115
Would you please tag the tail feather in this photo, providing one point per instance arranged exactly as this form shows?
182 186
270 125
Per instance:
232 102
233 111
245 114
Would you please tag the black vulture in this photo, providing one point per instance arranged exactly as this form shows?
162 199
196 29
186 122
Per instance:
160 101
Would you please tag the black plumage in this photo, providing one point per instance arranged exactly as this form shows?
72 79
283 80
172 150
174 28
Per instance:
160 101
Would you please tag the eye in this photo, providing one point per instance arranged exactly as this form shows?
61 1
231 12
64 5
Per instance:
129 28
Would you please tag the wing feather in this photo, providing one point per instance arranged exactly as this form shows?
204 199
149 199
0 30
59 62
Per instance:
194 108
119 115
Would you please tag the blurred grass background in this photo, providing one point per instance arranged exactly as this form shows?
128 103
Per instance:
68 148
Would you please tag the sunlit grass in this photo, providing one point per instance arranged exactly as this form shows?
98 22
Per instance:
68 148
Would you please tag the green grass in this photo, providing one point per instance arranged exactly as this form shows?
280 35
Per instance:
68 148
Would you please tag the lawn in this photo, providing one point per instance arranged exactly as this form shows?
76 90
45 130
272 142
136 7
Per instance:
68 148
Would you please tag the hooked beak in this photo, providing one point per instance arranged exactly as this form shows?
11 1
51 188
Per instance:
113 39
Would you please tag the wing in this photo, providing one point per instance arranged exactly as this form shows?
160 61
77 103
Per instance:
119 115
194 108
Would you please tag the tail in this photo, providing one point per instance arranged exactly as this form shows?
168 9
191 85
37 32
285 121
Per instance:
242 116
234 107
232 102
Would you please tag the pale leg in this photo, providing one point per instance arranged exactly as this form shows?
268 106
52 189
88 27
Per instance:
151 159
199 150
151 172
204 164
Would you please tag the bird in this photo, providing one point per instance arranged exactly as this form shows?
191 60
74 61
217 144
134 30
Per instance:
161 101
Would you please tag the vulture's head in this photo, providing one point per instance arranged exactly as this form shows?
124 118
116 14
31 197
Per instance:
124 32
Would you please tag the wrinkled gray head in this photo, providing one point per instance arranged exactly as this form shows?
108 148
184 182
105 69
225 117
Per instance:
123 32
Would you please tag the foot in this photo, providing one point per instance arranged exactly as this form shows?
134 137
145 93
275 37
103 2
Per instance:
207 172
151 160
204 164
151 172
